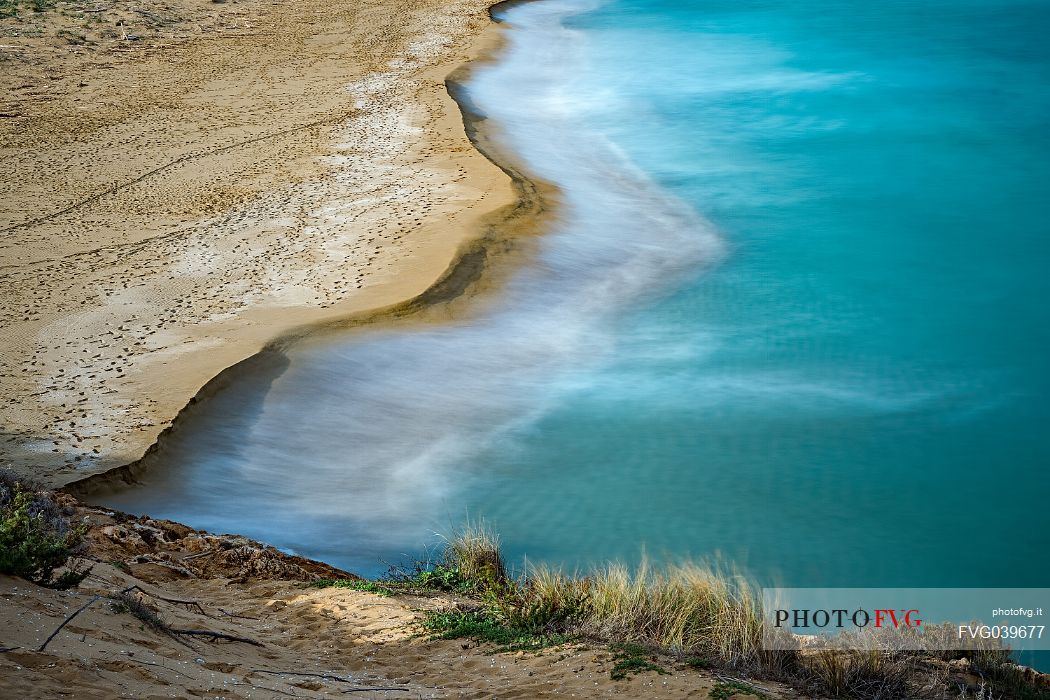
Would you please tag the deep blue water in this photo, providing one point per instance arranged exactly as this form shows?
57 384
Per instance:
794 313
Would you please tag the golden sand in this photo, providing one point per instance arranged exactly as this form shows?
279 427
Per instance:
174 201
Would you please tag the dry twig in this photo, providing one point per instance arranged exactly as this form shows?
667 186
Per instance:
215 636
65 622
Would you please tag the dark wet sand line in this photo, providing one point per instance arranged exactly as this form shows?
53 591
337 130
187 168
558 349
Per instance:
476 273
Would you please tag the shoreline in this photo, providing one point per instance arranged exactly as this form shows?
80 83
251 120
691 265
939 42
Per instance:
477 269
495 233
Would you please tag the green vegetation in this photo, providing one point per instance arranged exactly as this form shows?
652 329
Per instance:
697 662
441 578
35 535
724 690
705 617
631 659
486 627
10 8
118 564
422 579
355 584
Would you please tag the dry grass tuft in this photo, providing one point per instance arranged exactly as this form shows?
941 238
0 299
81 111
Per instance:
475 552
708 615
873 675
684 608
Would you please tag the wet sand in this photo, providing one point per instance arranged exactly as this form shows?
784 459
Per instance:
173 203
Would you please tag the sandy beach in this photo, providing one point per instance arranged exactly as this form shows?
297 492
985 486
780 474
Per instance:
185 185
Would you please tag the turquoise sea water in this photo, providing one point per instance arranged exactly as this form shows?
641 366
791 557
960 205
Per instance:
794 313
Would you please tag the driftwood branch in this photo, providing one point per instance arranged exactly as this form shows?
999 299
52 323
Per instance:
241 617
367 690
7 649
175 601
325 676
65 622
216 636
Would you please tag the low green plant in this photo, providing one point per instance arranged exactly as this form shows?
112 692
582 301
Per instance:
697 662
35 538
632 659
724 690
469 563
355 584
483 626
421 577
545 599
442 578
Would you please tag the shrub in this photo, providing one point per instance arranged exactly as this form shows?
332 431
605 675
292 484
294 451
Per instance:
470 563
442 578
35 536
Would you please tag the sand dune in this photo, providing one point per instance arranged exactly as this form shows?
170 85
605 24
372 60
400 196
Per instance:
325 641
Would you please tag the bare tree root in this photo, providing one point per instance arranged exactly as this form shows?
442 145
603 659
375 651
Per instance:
174 601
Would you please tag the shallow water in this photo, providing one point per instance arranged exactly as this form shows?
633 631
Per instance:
794 313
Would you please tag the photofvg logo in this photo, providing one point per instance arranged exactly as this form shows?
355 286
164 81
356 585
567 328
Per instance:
905 618
841 618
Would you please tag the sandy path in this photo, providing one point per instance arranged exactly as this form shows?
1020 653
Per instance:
335 639
168 205
368 640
